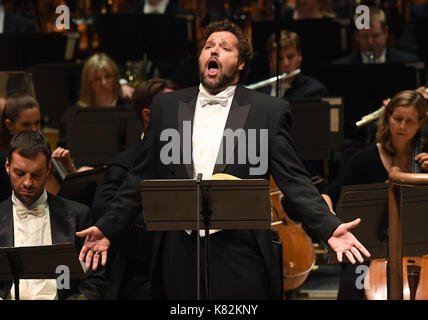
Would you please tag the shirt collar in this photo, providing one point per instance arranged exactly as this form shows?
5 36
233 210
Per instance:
381 59
228 92
43 199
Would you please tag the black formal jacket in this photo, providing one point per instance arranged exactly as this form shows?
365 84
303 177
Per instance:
392 56
66 218
5 188
16 23
129 273
249 110
408 40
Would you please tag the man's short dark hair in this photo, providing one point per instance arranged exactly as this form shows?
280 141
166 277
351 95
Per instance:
244 47
29 144
144 93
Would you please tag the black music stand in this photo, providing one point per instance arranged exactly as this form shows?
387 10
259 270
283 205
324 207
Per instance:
130 36
105 131
326 123
38 262
370 203
374 85
81 186
205 204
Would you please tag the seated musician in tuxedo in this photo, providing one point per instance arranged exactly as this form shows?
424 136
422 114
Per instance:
32 217
297 87
373 43
129 274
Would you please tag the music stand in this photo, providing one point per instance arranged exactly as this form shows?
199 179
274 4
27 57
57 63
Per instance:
326 126
130 36
372 203
219 204
104 130
374 85
38 262
25 50
81 186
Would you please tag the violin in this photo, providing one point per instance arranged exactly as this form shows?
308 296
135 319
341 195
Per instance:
297 247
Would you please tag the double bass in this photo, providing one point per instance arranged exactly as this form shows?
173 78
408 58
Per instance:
297 247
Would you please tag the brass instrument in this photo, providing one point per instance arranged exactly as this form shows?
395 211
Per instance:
269 81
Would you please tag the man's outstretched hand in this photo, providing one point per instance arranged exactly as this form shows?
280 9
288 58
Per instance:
96 245
343 241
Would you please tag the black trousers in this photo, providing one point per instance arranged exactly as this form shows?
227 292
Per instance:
237 267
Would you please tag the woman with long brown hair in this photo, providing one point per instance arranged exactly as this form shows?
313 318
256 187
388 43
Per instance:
396 142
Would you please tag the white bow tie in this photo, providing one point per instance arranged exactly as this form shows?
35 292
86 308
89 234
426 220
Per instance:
204 100
23 212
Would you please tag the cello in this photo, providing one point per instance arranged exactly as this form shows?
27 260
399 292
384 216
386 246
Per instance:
415 268
298 252
297 247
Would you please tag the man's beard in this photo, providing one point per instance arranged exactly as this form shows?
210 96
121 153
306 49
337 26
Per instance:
223 82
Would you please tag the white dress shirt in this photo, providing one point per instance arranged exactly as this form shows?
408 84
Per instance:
33 230
208 127
160 8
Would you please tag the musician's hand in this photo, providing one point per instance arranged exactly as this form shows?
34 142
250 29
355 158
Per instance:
85 168
96 244
422 91
385 102
422 158
64 156
343 241
127 92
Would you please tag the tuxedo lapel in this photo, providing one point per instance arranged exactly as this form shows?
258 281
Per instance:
62 225
6 224
186 112
236 119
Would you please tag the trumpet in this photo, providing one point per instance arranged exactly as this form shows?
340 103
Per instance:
373 116
269 81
